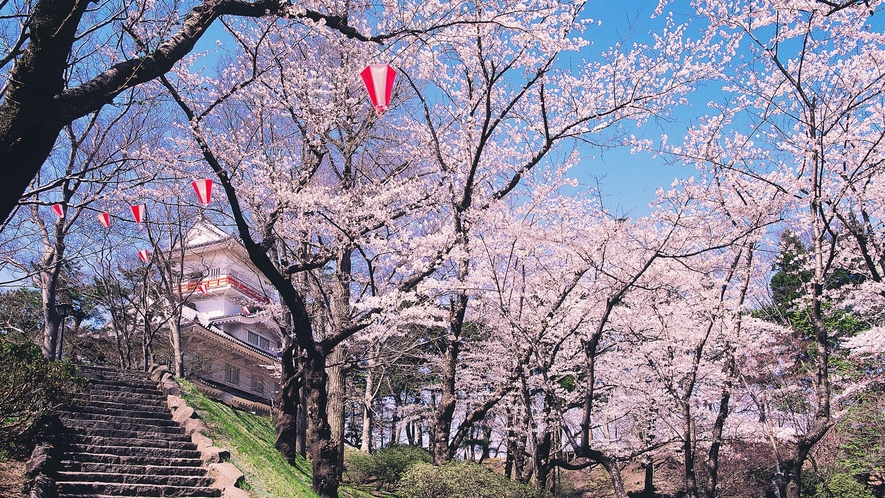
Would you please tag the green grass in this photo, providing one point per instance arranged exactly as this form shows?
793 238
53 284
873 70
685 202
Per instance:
250 439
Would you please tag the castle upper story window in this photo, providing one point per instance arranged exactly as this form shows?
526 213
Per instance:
257 340
231 374
258 385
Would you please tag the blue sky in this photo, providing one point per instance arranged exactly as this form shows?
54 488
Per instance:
628 181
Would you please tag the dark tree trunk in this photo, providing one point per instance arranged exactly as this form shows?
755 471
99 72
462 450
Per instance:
335 409
445 411
614 473
510 444
29 113
323 449
541 460
689 478
716 442
287 407
648 486
301 441
486 443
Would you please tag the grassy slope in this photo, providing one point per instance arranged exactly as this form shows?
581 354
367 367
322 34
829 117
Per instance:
250 439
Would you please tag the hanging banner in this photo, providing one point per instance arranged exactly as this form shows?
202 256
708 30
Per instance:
59 210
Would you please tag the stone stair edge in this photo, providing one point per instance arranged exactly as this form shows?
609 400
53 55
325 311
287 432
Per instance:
122 489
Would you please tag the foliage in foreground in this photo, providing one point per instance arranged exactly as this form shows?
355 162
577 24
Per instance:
386 467
842 486
460 480
30 386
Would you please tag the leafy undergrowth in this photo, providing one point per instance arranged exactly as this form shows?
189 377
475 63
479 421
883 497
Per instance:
250 439
12 478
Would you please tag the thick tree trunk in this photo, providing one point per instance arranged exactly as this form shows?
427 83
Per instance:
51 322
486 443
47 279
323 449
335 410
340 308
145 355
286 410
510 444
614 473
301 441
648 485
712 463
541 460
29 113
446 409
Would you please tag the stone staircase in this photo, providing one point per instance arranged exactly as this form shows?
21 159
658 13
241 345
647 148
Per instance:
119 439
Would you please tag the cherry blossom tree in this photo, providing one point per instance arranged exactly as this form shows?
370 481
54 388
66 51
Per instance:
497 112
805 118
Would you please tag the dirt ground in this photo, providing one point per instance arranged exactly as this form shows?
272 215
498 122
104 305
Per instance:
12 479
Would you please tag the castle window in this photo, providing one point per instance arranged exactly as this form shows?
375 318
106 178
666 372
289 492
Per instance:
253 338
231 374
257 384
265 344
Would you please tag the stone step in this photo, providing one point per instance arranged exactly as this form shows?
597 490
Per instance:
134 411
106 387
74 448
114 496
85 489
102 430
126 404
119 397
120 380
160 480
111 419
80 421
133 460
121 468
113 375
132 442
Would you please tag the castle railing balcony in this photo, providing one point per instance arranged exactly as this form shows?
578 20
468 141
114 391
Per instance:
222 282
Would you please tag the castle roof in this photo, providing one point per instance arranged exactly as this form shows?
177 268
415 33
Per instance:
205 233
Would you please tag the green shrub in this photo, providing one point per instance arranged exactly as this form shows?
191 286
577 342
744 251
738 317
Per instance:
460 480
30 386
843 486
385 467
359 468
